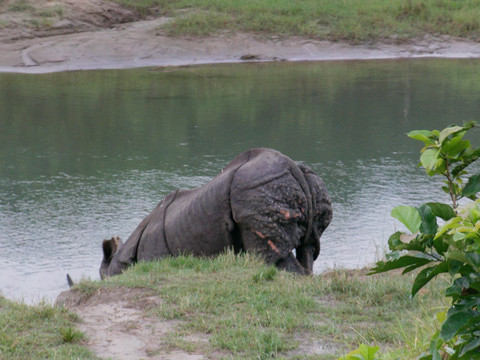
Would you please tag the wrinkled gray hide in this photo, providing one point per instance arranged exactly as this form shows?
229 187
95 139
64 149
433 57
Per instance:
261 202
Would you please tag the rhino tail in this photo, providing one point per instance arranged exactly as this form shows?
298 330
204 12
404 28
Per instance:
70 281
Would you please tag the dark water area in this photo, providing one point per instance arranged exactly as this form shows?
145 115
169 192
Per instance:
86 155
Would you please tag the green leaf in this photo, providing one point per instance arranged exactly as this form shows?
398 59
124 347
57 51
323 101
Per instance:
404 261
456 255
436 344
449 225
460 234
472 187
422 135
429 220
455 290
448 131
411 268
408 216
363 352
429 160
370 351
441 245
454 267
454 323
443 211
428 274
395 242
401 241
471 345
425 356
440 166
473 258
468 159
455 146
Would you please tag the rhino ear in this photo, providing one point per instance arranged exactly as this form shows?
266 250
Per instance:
110 247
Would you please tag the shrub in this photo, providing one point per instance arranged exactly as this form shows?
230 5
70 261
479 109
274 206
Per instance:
445 238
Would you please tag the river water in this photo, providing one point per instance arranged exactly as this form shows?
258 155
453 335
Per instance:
86 155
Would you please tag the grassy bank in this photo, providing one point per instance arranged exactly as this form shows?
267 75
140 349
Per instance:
39 332
246 310
351 20
242 309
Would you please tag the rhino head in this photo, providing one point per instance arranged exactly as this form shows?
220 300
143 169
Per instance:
110 248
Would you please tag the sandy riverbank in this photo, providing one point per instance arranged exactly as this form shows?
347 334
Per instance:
137 45
101 35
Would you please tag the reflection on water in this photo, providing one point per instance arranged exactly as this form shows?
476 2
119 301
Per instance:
86 155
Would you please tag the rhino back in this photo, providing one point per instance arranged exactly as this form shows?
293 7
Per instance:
199 221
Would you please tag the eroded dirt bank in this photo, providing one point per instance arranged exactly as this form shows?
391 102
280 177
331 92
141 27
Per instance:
95 34
117 325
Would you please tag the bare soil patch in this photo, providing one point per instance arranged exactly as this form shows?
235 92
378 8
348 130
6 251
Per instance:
117 326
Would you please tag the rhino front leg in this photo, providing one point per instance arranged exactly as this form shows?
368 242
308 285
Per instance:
290 263
305 255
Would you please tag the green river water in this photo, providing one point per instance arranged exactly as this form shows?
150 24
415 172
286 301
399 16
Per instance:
86 155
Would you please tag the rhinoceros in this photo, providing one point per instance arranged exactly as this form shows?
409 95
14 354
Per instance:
262 202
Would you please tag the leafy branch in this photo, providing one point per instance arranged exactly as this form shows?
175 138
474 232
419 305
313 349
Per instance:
452 248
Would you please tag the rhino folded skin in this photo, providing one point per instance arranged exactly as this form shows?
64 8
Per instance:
261 202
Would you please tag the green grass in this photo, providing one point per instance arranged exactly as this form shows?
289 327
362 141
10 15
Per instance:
20 6
247 310
351 20
39 332
238 307
52 11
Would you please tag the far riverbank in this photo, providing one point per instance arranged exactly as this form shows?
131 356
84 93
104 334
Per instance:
137 44
65 35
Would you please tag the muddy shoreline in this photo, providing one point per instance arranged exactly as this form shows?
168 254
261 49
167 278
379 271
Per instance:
139 44
66 35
